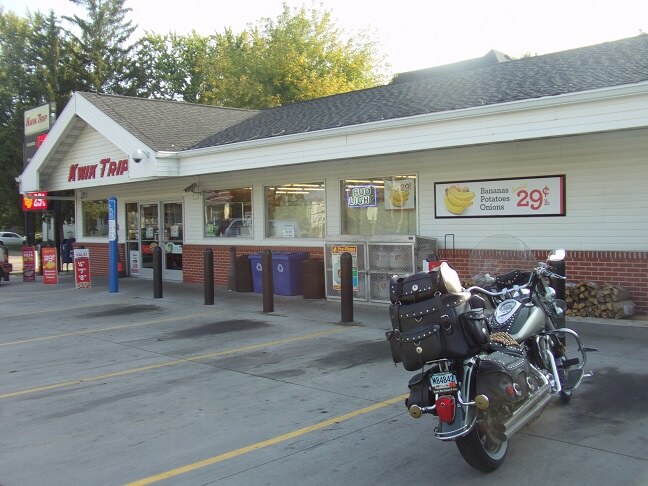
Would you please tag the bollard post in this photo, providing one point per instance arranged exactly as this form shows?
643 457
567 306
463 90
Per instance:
231 278
208 266
268 284
346 278
157 272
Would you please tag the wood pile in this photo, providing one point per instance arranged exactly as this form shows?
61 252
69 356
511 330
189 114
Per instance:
589 299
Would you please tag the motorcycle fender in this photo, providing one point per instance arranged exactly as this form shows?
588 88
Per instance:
465 415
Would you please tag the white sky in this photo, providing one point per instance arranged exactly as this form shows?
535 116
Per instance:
414 34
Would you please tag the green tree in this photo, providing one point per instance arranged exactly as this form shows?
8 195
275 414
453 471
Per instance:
300 56
101 50
170 66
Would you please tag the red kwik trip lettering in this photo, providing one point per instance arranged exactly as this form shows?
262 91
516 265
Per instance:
107 168
103 163
72 173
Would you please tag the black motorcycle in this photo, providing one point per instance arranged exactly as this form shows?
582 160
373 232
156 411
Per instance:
491 356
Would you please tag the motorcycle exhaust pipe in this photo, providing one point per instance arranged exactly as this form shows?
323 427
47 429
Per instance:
528 411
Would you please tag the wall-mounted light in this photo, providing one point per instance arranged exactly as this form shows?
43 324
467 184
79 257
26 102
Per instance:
191 188
84 195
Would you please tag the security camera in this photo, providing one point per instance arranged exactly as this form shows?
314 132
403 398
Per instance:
191 188
138 155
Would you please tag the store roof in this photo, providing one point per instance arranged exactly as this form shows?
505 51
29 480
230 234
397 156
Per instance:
493 80
167 125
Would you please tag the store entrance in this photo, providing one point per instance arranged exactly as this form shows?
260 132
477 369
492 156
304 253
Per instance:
152 225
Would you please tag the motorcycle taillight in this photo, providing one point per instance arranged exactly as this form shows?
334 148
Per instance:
445 408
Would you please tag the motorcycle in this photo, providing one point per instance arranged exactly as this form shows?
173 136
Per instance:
491 356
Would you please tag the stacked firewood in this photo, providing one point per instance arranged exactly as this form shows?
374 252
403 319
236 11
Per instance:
589 299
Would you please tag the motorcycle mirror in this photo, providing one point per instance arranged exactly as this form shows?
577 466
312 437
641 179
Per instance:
557 255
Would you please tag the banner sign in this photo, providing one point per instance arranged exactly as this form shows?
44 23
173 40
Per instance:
82 268
336 254
50 266
29 263
34 201
533 196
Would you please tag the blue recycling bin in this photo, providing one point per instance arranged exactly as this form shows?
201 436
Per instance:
287 273
257 274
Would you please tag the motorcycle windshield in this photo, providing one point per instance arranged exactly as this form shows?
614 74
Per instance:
497 255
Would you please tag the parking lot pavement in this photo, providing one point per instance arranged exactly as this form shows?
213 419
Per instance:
101 388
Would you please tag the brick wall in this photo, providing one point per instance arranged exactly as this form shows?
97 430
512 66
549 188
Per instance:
627 269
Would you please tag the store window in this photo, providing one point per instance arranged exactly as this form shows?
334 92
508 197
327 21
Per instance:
379 206
228 212
95 218
295 210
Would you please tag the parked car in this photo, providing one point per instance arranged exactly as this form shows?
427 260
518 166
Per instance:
9 238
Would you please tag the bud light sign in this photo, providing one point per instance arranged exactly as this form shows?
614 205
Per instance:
361 196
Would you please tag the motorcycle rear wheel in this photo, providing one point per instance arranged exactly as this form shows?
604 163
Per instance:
481 451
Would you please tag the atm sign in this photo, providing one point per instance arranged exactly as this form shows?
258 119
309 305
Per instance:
35 201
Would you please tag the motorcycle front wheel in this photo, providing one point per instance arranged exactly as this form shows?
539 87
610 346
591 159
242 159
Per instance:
482 451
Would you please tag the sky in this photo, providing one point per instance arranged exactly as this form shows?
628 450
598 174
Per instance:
412 34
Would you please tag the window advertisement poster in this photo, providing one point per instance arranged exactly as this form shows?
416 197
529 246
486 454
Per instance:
82 268
336 260
400 194
29 263
50 267
534 196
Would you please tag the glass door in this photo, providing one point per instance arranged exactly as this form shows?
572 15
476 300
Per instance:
168 236
149 236
172 240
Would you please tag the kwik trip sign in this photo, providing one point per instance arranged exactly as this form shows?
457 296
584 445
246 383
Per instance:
105 168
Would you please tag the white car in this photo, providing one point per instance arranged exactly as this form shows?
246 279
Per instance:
9 238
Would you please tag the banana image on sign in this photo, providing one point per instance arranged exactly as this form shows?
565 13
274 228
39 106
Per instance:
400 194
458 198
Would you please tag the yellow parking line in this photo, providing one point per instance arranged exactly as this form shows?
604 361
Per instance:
265 443
106 329
190 359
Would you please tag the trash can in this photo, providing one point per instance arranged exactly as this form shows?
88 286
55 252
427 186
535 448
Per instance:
257 274
243 276
313 279
287 272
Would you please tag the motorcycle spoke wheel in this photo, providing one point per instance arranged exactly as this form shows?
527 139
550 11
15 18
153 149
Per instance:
482 451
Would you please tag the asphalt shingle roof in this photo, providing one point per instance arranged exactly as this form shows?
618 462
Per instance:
167 125
486 81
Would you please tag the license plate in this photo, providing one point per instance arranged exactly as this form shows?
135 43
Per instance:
443 382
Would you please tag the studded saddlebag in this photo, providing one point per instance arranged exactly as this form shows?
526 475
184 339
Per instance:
503 377
429 330
416 287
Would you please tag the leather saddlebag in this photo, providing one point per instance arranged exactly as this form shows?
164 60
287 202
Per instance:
429 330
408 289
503 377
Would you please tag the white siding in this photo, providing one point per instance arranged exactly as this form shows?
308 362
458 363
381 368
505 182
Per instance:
606 203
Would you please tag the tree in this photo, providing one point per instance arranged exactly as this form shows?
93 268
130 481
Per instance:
101 50
170 66
300 56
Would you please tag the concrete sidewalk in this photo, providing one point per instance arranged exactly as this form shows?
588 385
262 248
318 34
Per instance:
367 314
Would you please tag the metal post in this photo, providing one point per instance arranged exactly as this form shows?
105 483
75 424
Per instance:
268 284
346 277
157 272
208 265
113 246
231 278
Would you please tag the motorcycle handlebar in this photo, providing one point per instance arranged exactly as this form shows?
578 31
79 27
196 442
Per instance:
541 270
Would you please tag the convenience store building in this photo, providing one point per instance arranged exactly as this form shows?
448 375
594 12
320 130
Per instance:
553 147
